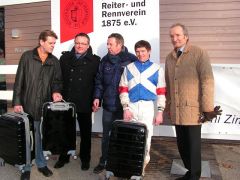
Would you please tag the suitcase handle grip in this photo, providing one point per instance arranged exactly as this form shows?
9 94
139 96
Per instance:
13 114
59 105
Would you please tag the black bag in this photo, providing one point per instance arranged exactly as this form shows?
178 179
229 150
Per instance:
16 139
126 149
58 128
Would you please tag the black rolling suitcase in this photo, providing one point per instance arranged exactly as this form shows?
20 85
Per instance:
58 128
16 139
126 150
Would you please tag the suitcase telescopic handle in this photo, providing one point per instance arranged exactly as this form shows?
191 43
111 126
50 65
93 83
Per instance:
32 140
41 127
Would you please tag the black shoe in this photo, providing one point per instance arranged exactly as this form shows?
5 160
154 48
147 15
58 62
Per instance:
181 178
85 166
45 171
185 177
98 169
60 163
25 175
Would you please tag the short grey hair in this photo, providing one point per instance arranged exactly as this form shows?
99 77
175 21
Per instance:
118 37
185 31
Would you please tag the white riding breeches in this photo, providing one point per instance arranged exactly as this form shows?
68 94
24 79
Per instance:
143 112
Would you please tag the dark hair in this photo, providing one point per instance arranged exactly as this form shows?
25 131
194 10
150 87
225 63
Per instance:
142 43
185 31
118 37
44 34
83 35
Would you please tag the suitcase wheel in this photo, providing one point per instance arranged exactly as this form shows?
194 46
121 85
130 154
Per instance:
136 178
46 154
71 153
108 175
2 163
75 157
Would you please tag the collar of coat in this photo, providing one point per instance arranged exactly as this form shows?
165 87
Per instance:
70 58
120 56
72 53
185 50
49 60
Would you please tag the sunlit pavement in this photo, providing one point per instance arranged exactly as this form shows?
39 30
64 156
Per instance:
223 158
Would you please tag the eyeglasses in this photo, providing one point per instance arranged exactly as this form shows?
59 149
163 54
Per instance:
83 44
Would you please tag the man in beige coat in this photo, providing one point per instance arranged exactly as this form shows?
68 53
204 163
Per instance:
190 94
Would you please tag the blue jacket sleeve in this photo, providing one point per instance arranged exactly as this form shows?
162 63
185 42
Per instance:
98 89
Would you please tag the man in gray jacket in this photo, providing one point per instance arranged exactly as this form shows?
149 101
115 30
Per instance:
38 80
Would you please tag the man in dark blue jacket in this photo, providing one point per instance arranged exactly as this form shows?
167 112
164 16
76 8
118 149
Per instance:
106 88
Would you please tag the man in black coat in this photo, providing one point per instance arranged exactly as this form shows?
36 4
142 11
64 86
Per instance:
79 68
38 80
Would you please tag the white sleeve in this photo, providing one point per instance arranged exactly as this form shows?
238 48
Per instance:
161 90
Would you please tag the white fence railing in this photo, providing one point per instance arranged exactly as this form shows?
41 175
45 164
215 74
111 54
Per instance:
7 69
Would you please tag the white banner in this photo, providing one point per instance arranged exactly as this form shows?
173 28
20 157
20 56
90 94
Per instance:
135 20
227 95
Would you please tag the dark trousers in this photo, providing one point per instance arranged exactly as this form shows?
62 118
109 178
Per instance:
107 119
189 147
3 103
85 126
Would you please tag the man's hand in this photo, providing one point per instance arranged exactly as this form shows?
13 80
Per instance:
208 116
18 109
95 106
56 97
127 115
158 119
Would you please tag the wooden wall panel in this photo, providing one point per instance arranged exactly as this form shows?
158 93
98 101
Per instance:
212 24
30 19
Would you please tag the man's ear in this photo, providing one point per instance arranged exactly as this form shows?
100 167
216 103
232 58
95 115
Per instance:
41 42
